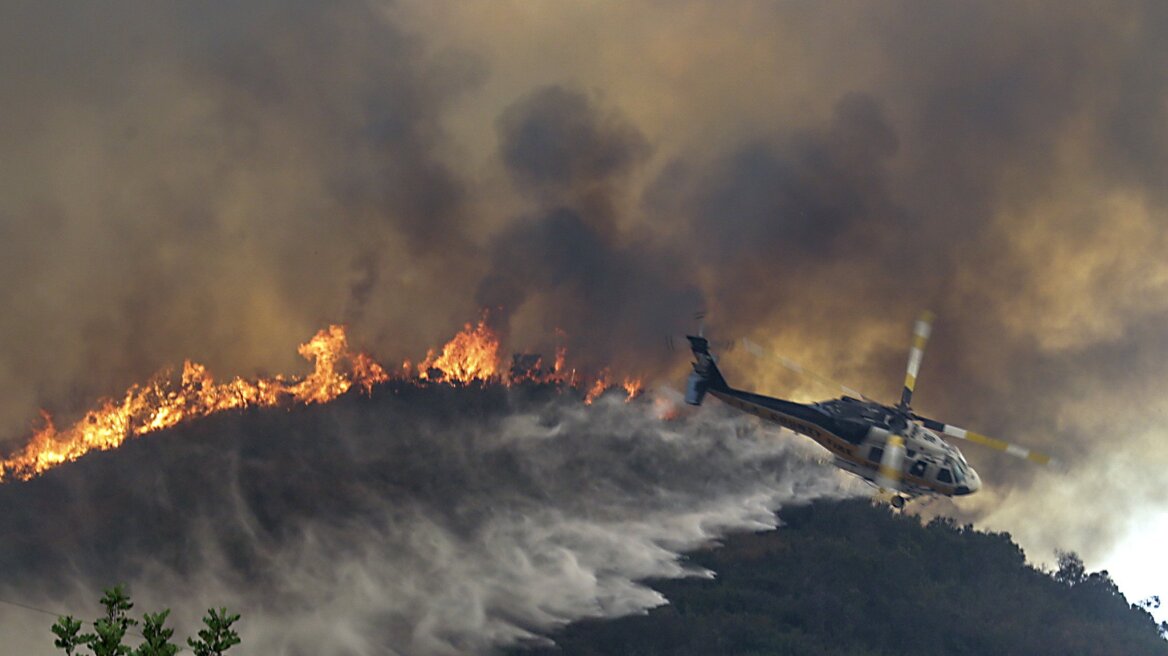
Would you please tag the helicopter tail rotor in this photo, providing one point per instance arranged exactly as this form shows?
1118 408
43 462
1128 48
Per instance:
921 331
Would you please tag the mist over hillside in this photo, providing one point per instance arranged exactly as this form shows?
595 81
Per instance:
423 520
849 577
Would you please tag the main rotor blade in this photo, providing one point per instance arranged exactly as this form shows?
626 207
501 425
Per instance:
891 471
985 440
921 331
760 352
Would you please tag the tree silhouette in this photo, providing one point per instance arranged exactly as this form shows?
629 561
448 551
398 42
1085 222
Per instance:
157 636
110 631
218 637
67 629
1071 570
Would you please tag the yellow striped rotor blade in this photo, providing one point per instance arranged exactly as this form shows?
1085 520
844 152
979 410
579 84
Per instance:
891 470
921 330
992 442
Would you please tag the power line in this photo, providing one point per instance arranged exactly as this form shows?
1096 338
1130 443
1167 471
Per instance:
32 608
56 614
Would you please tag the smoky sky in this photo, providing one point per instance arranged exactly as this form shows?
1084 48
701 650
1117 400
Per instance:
556 141
219 181
610 294
770 211
210 180
421 521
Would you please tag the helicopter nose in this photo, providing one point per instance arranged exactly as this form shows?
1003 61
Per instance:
972 484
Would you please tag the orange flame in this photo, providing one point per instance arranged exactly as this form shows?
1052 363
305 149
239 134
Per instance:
471 355
161 404
561 356
597 388
666 409
631 386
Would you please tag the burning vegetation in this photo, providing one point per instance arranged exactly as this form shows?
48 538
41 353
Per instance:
471 357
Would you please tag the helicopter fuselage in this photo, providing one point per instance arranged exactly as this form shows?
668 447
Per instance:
856 433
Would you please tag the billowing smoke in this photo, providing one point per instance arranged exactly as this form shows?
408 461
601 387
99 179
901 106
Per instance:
220 182
616 294
216 183
422 521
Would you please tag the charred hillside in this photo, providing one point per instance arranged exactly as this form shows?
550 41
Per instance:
845 577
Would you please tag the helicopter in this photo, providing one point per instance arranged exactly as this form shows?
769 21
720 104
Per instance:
892 447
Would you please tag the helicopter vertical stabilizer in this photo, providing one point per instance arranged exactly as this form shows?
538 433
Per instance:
705 376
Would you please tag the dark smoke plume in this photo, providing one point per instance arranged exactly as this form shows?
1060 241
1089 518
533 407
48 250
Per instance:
617 294
423 521
215 183
557 143
219 181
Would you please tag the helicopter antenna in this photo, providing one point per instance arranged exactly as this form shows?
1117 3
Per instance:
921 331
700 317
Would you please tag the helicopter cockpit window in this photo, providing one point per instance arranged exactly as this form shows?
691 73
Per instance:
944 476
959 470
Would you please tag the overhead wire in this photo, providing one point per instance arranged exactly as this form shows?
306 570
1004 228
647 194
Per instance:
59 615
32 608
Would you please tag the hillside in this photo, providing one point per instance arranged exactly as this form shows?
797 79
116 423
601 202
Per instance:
849 578
434 519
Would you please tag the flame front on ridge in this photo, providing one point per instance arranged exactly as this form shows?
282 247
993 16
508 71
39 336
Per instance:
470 356
161 403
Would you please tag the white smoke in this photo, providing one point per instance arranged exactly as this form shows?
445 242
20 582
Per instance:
398 526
